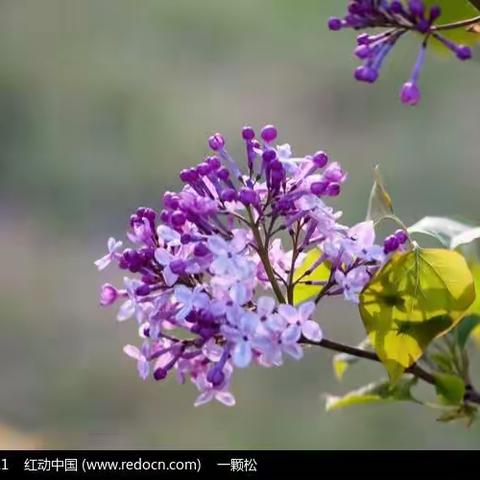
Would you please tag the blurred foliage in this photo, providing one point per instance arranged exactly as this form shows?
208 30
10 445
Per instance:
101 103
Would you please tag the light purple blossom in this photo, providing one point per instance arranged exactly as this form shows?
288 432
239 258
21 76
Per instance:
300 323
352 282
113 247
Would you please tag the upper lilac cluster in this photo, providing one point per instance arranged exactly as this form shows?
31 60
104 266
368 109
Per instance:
214 287
397 17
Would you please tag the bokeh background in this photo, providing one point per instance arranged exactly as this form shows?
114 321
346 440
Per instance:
101 103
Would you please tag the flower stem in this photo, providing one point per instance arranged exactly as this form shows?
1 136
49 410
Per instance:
459 24
263 254
470 396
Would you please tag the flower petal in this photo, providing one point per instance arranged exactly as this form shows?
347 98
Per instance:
242 354
312 331
291 334
204 398
226 398
306 310
132 351
103 262
294 350
265 305
126 310
288 312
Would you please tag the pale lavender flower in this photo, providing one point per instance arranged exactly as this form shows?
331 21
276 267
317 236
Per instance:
352 282
113 247
300 323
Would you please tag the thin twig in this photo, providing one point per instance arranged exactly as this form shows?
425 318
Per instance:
470 396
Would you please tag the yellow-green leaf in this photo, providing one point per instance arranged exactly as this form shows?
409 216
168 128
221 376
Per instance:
450 388
475 309
374 392
308 272
417 296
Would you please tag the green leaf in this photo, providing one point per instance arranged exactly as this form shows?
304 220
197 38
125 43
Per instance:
416 297
380 204
465 328
445 230
374 392
466 412
475 308
453 11
443 361
310 273
450 388
342 361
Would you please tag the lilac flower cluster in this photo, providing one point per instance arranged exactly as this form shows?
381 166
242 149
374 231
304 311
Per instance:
397 17
213 286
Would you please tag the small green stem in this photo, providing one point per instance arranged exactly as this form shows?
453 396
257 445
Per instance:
461 23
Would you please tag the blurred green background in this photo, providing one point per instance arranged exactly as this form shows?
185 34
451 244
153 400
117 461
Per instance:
101 103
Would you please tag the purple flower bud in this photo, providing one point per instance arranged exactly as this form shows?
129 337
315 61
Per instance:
396 7
178 267
223 174
410 94
335 173
165 216
184 176
215 376
335 23
201 250
108 294
142 290
402 236
333 189
390 244
248 133
363 51
417 7
203 169
185 239
214 163
160 374
269 155
269 133
171 201
189 175
363 39
366 74
463 52
435 13
319 188
216 142
320 159
178 219
247 196
228 195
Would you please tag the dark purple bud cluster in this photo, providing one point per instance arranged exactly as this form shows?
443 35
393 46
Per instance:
393 242
397 18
